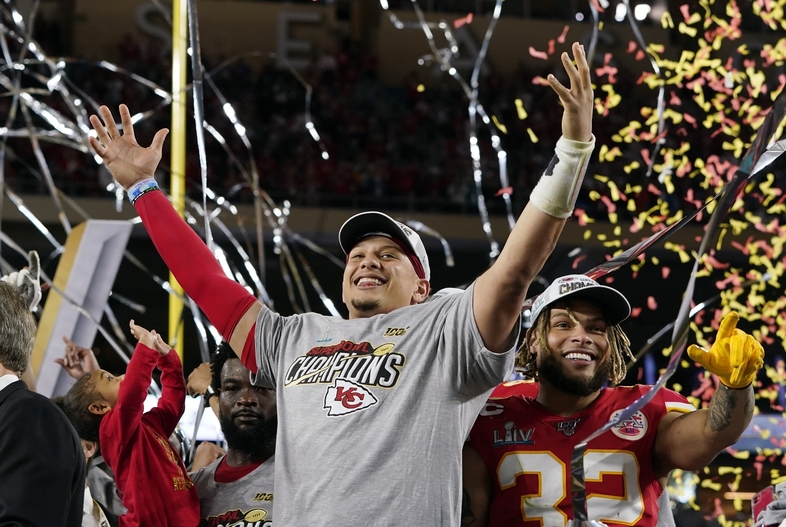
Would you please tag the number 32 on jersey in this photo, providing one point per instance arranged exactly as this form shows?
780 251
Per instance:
614 472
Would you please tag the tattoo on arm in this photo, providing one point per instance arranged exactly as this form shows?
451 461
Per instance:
467 516
722 406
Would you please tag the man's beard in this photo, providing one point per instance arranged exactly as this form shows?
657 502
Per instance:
551 371
365 305
249 439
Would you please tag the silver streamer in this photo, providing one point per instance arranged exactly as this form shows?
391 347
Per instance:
422 227
660 138
199 109
443 56
309 91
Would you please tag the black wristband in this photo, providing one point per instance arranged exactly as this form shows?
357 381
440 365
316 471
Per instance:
209 392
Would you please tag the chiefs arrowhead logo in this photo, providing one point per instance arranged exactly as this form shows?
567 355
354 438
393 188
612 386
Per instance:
345 397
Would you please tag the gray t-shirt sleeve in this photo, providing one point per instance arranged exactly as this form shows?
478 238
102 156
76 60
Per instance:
468 365
267 342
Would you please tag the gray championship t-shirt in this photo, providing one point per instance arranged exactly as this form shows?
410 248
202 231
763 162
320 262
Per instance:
246 502
373 413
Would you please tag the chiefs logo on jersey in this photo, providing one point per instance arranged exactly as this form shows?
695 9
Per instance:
633 428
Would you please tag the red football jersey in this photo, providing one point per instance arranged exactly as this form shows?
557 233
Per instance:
527 450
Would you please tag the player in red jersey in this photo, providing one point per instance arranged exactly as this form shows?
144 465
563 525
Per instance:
517 464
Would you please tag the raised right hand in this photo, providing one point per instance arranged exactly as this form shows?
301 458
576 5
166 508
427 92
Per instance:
126 160
77 360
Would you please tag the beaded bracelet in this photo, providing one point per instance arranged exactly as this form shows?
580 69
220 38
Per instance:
140 188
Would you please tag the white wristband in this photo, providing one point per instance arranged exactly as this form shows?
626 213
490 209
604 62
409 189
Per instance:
556 192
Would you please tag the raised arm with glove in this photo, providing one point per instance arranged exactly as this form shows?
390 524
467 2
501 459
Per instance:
692 440
735 357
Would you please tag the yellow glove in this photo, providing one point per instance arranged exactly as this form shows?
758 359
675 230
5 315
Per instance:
735 357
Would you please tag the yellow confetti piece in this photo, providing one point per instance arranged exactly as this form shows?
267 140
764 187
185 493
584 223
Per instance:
532 136
421 88
710 484
502 128
666 21
520 111
631 167
684 28
609 155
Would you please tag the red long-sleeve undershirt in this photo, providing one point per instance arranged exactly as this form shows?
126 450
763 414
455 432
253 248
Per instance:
223 300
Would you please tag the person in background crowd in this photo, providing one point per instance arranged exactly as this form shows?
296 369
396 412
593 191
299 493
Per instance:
239 484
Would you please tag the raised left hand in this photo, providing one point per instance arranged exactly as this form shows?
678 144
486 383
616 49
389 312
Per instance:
579 100
735 357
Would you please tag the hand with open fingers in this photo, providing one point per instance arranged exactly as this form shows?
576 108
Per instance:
578 100
27 281
77 360
735 357
126 160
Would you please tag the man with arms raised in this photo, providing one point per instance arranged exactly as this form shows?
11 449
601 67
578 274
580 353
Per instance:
373 410
517 469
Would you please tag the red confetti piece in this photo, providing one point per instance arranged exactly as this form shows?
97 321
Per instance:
632 46
561 38
577 260
461 21
685 10
740 247
665 271
538 54
635 312
640 55
652 304
645 156
609 204
598 6
607 69
507 191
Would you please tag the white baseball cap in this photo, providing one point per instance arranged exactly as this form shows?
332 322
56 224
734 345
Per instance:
614 304
374 223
